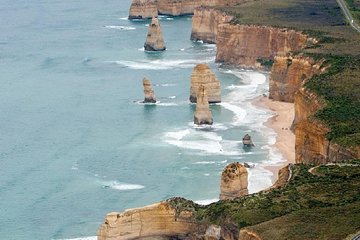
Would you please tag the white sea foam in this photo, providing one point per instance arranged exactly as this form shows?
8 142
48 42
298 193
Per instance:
259 179
206 201
172 97
177 135
122 186
161 64
238 111
124 18
204 162
120 27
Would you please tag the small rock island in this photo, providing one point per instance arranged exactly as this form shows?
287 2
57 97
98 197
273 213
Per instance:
202 113
202 75
154 40
148 91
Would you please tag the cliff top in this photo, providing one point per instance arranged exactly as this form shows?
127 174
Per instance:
323 205
321 19
338 50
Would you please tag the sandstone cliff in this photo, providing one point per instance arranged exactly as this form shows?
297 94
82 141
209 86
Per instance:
245 45
288 74
142 9
202 113
154 39
248 235
202 75
311 144
234 181
148 91
156 220
205 23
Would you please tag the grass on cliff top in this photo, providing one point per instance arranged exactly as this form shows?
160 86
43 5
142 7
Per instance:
354 7
322 19
309 207
340 87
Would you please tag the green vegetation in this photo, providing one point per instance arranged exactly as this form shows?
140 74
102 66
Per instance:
340 87
354 7
266 63
309 207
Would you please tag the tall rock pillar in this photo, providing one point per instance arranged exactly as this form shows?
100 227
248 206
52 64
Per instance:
202 113
148 91
234 181
154 39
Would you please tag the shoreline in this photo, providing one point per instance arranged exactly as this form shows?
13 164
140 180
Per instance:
281 123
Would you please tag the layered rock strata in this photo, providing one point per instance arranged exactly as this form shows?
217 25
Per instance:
246 45
148 92
202 113
143 9
311 144
205 24
203 76
156 221
288 74
154 39
234 181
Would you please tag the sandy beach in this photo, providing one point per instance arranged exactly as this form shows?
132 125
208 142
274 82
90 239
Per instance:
280 123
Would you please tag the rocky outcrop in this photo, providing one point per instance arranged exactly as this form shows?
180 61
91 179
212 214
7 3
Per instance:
203 76
148 91
234 181
246 45
284 175
247 142
311 144
205 23
156 221
143 9
248 235
202 113
288 74
154 39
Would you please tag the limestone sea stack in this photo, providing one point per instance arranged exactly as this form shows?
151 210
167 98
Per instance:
247 141
202 113
148 91
143 9
234 181
156 221
154 39
202 75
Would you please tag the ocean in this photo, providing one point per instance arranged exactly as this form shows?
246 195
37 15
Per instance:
75 140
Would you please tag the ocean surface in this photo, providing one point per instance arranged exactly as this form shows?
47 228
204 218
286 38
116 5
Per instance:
75 140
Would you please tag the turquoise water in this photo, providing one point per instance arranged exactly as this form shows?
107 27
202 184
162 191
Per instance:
75 143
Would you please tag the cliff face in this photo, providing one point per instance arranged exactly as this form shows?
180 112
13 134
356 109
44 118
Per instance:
154 39
159 220
234 181
202 75
244 45
311 145
287 76
205 23
142 9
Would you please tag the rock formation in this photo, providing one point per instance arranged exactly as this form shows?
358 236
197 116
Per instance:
202 75
202 113
205 23
234 181
143 9
154 39
247 141
148 91
159 220
248 235
288 74
245 45
311 144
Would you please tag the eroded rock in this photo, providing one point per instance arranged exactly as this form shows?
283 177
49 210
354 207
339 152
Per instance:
234 181
148 91
247 141
203 76
143 9
202 113
154 39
